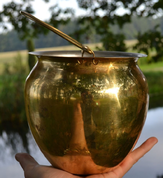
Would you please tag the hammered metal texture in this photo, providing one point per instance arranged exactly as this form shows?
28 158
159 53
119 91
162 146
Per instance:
84 117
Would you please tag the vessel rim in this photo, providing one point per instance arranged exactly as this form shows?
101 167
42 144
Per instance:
78 54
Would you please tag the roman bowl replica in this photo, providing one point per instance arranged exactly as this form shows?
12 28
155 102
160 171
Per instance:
86 113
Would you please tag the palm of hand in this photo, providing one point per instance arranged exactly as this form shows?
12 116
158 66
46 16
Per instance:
50 172
33 170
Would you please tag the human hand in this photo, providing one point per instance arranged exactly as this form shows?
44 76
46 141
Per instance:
33 170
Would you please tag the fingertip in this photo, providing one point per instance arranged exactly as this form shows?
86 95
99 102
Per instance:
145 147
152 140
18 156
155 139
25 160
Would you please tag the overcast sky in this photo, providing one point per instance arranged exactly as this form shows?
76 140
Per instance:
41 7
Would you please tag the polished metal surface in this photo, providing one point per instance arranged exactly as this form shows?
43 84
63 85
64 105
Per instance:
68 55
84 117
58 32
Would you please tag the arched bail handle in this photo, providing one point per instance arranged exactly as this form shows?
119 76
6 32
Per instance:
58 32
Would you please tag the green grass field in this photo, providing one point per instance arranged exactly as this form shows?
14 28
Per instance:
9 57
153 67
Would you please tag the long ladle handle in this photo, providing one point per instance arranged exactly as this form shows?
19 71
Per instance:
58 32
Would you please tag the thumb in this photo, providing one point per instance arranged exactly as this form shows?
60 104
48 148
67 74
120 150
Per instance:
26 161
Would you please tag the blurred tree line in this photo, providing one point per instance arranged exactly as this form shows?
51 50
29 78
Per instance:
11 42
99 17
13 123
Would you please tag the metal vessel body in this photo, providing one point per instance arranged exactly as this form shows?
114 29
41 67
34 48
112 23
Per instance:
86 114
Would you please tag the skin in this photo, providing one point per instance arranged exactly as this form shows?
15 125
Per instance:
33 170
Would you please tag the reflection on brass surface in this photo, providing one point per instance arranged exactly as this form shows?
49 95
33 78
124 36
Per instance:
86 118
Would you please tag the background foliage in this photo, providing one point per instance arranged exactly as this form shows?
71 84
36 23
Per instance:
11 42
12 110
99 18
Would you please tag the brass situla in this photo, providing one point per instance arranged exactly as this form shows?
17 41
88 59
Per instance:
86 118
